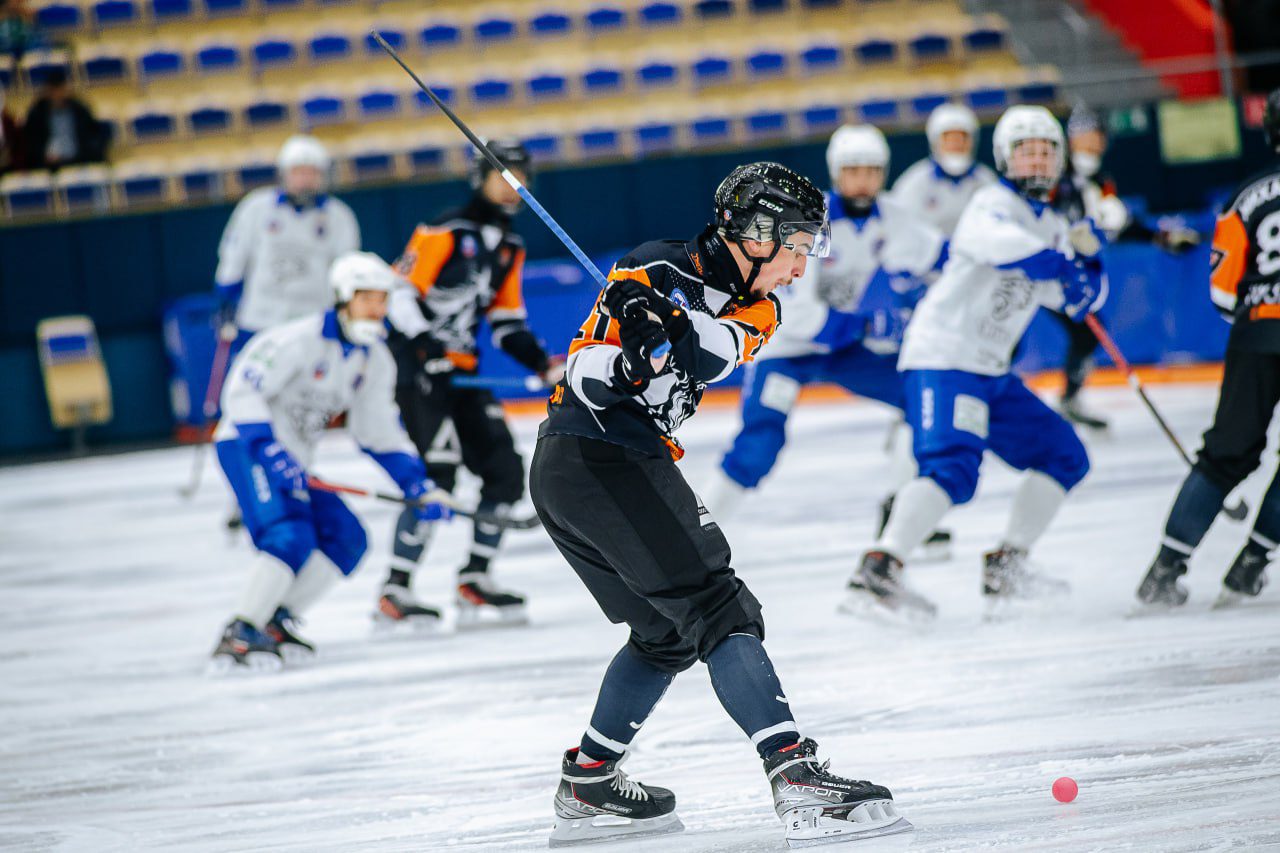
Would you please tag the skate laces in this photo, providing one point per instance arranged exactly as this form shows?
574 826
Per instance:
627 788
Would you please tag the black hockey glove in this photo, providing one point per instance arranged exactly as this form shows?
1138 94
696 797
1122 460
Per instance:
624 297
640 336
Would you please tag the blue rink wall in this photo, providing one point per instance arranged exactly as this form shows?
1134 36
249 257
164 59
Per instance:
126 271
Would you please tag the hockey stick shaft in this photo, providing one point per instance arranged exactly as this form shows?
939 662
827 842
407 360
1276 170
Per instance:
529 383
217 373
1236 512
437 496
512 180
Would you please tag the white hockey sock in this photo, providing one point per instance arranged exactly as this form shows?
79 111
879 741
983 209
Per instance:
269 580
918 508
724 495
317 577
1034 506
902 459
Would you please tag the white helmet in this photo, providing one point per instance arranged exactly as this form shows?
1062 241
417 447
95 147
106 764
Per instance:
351 273
1019 124
856 145
302 150
947 118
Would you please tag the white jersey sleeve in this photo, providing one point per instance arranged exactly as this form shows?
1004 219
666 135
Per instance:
937 198
912 246
239 238
374 418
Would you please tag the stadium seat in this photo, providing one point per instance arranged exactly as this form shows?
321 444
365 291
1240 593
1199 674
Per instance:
151 121
602 80
820 58
817 5
767 7
256 169
329 47
270 7
141 183
439 35
376 102
371 159
543 147
546 86
875 50
654 136
714 10
876 110
550 24
7 72
59 17
924 103
930 47
273 52
225 8
984 36
766 64
1041 91
599 140
605 18
37 64
199 178
821 118
163 11
394 36
265 110
987 98
83 188
446 92
491 92
114 13
494 29
320 107
766 123
660 13
218 57
711 130
712 70
27 194
103 64
426 157
657 74
160 62
204 117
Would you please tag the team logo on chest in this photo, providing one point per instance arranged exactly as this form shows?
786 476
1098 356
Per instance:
468 246
677 296
322 370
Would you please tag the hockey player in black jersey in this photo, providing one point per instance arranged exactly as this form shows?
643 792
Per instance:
606 486
1245 287
465 267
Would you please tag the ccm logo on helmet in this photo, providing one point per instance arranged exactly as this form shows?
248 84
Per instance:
776 208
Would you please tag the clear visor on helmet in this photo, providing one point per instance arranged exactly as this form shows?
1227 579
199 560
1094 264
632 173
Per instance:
806 238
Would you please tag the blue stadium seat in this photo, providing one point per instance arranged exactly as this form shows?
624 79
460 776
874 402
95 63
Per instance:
320 108
395 36
924 103
225 8
37 65
114 13
543 147
272 6
218 58
27 194
875 50
876 110
550 25
163 11
823 4
58 17
159 63
378 102
712 70
602 80
84 188
444 91
141 184
494 29
1038 92
372 161
265 111
273 52
599 142
7 72
820 58
199 179
439 35
605 19
930 47
547 86
821 118
256 171
712 10
766 63
427 158
657 73
768 123
661 13
987 98
152 123
654 136
767 7
491 91
209 118
329 47
711 130
984 38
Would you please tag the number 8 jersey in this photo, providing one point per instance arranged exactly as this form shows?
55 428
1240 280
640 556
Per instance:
1245 264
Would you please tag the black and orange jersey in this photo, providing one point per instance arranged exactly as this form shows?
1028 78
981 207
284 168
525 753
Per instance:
1244 278
702 277
464 268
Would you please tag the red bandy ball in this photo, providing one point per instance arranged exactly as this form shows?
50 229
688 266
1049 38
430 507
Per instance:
1065 789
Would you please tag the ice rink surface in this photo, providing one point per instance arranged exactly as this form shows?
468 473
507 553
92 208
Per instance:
113 591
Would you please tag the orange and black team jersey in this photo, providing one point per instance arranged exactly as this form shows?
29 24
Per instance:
699 275
465 267
1245 264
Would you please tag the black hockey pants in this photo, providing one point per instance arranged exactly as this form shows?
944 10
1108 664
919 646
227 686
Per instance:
1233 445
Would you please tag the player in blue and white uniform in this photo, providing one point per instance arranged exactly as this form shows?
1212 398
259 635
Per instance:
938 188
1010 254
829 334
284 388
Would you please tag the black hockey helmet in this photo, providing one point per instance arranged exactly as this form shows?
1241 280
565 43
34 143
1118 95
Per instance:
769 203
1271 121
510 151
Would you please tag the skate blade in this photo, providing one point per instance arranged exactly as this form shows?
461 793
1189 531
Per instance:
297 656
479 619
567 832
1142 610
1229 598
809 827
909 609
222 666
410 626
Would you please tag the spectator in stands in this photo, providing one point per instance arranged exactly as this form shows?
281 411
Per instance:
60 129
17 28
11 148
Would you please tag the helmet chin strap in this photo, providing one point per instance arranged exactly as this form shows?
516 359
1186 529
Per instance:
756 265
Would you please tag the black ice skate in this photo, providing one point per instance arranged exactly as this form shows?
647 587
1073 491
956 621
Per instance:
397 607
1006 575
819 807
1074 412
597 802
282 629
244 648
878 581
1160 588
482 603
1246 578
936 549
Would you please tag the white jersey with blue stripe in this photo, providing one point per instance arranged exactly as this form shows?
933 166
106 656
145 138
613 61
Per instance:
888 238
936 197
